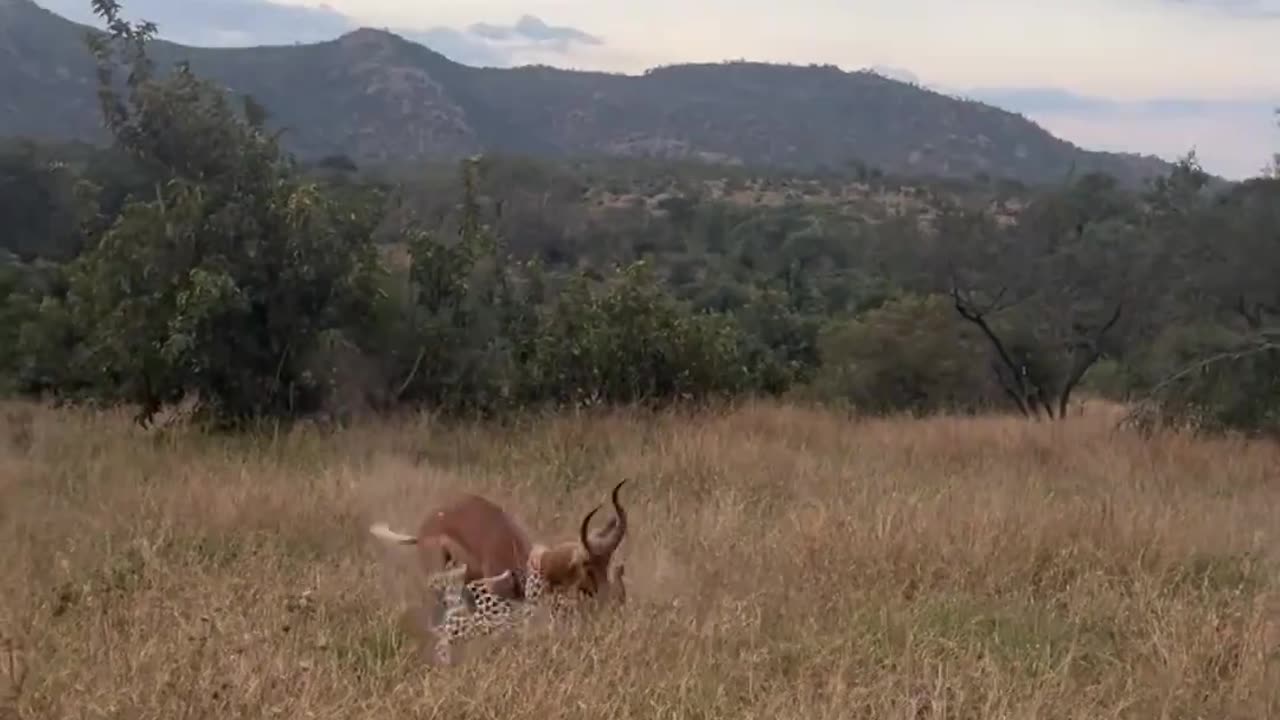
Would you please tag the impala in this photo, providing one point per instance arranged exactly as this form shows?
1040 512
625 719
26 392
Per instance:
473 531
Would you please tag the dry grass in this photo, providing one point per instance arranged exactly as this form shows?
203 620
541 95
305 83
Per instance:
783 563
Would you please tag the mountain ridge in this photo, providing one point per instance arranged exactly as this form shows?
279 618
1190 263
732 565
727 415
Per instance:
376 96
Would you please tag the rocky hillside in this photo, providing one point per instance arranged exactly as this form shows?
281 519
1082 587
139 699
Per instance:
374 96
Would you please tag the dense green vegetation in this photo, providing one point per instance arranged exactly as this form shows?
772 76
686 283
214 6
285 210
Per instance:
196 257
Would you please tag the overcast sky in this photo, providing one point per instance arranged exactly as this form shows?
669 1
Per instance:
1158 76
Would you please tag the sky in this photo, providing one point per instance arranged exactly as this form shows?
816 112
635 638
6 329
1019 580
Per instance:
1152 76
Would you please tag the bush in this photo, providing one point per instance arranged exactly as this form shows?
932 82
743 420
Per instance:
1211 378
909 355
224 284
632 342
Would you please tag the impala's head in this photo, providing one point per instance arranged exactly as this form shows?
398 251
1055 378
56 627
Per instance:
583 564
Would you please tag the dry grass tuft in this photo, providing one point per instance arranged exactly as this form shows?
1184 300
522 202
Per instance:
783 563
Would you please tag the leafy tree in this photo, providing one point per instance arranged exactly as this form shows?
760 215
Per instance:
1218 366
43 203
908 355
225 283
1059 282
15 310
632 342
453 323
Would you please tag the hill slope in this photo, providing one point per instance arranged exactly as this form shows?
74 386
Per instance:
375 96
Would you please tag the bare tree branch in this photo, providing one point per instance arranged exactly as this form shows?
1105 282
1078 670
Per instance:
1017 385
1254 313
1198 366
413 373
1009 386
1081 363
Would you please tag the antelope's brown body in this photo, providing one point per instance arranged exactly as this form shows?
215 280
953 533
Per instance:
474 531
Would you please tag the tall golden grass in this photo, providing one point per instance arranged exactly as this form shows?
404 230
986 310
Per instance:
782 563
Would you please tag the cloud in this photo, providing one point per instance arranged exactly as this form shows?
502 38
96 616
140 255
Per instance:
1267 9
1057 100
1233 138
460 46
896 73
224 22
240 23
529 39
1041 100
531 29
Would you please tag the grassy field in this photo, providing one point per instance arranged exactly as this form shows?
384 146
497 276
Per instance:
782 563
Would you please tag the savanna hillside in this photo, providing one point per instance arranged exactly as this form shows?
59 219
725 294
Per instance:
379 98
782 563
824 386
195 258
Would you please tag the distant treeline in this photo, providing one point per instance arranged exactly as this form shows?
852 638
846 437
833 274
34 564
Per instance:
195 258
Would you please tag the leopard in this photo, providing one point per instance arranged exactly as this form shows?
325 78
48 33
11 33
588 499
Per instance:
487 613
476 608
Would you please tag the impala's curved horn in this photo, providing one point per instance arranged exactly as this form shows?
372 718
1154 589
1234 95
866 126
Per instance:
607 540
584 534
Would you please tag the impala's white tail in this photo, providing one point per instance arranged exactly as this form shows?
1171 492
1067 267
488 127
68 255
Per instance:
383 532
